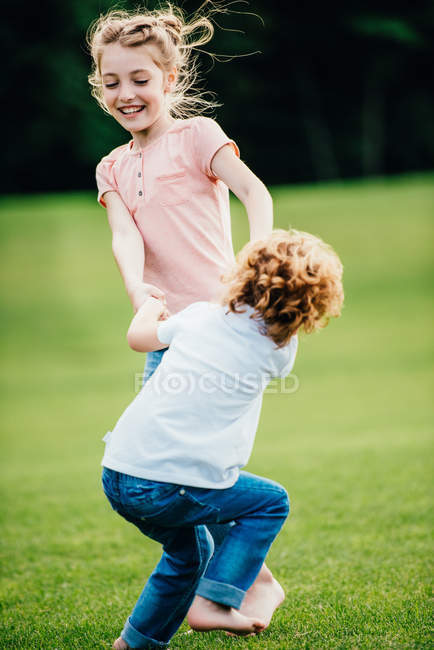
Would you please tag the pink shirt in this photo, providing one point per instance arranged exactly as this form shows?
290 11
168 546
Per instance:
178 205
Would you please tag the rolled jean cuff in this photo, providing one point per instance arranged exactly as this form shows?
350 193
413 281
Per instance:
220 592
136 639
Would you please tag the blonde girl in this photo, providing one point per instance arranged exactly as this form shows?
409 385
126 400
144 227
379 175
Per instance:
167 189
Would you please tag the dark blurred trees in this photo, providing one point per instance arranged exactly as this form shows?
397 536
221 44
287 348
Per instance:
338 90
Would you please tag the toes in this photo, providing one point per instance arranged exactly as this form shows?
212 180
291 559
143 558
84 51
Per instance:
259 627
120 644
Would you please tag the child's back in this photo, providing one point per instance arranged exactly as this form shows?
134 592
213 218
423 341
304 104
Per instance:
196 424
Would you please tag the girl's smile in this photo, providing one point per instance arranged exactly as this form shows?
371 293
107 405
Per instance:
135 89
130 110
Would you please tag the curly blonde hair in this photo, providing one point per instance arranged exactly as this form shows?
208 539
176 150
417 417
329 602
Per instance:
175 38
292 280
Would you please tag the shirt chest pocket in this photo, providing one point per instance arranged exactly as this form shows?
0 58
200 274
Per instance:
172 189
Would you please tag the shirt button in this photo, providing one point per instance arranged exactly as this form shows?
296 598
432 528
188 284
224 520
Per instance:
139 174
181 491
140 193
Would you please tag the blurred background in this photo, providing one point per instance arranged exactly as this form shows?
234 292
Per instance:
337 90
336 114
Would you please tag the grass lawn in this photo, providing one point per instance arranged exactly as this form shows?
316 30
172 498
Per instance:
352 445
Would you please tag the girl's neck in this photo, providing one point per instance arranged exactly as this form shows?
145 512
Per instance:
159 127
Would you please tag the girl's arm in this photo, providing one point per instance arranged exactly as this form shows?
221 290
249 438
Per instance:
128 250
248 188
142 333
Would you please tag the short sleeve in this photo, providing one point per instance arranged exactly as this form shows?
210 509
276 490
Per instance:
291 350
105 178
209 137
167 329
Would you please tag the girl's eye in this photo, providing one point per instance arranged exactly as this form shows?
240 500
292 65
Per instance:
141 82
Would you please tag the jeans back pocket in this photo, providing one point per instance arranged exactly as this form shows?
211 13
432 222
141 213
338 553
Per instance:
183 509
145 498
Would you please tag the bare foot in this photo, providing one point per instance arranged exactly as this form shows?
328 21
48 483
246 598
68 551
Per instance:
205 615
120 644
263 598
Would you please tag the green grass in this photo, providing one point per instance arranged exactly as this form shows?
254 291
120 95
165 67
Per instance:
352 444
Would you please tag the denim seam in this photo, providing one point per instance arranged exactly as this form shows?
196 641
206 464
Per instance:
209 588
146 639
265 489
130 502
196 501
192 590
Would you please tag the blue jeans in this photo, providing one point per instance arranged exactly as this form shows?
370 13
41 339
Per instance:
153 360
177 516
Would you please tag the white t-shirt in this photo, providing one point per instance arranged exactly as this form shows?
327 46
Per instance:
194 422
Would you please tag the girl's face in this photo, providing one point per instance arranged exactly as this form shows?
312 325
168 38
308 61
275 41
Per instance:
134 87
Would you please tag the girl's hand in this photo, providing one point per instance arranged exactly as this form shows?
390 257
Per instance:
165 314
142 333
151 309
142 292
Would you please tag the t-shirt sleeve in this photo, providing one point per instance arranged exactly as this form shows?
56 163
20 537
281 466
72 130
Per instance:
290 358
105 178
167 329
209 137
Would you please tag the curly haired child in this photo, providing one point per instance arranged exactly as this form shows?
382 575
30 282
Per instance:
172 463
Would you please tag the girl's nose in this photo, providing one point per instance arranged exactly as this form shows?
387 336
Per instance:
126 93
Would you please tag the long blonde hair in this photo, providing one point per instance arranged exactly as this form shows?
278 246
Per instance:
176 39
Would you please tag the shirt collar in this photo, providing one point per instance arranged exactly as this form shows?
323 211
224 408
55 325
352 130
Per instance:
135 150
